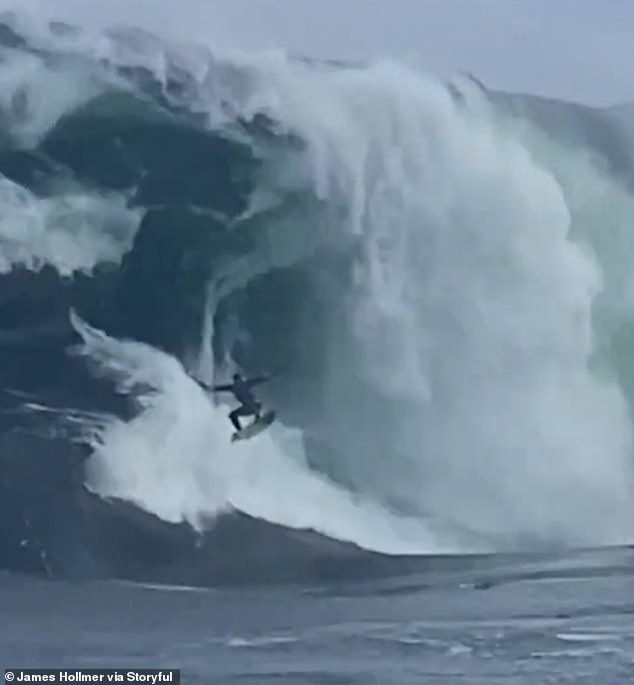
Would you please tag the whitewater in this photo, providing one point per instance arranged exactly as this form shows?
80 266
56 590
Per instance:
439 277
456 279
468 319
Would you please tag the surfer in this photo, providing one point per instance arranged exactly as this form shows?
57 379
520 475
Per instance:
241 389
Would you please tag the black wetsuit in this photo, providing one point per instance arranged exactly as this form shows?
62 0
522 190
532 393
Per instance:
241 390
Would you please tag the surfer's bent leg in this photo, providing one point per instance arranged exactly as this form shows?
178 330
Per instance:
233 417
244 410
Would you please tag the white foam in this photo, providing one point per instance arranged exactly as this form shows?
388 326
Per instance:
35 93
160 587
175 459
588 637
260 641
472 313
72 231
470 326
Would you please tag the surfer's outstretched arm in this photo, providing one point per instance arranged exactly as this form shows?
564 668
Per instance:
222 388
214 388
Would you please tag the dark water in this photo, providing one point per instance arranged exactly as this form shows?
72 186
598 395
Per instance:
558 620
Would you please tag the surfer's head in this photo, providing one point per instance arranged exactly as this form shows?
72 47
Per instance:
236 377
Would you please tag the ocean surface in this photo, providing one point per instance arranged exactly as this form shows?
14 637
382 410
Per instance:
440 276
562 619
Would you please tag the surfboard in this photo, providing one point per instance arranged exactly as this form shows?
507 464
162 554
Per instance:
254 428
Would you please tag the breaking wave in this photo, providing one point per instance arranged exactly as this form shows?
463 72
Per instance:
441 272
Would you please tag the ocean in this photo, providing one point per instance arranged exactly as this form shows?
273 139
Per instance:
439 276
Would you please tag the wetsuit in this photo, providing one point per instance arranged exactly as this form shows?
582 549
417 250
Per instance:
241 390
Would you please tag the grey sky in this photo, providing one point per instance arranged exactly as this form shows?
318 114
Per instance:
573 49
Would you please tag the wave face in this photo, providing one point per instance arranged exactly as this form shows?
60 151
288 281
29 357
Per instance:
442 273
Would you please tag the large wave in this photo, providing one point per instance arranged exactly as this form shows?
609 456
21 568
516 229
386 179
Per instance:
442 273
